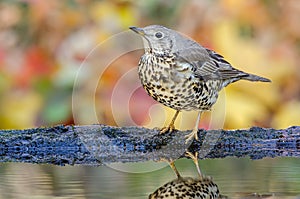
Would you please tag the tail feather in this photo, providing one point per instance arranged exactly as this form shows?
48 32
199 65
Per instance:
245 76
252 77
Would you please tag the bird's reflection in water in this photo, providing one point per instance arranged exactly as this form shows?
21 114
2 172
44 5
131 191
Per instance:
186 187
201 187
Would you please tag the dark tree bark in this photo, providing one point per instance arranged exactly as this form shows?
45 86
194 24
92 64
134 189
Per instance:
100 144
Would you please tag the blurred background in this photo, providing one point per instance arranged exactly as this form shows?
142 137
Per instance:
43 45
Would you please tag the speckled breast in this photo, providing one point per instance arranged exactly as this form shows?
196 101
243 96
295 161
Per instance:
187 188
170 87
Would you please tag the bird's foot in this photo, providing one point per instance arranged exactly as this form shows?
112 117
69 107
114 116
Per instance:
192 135
166 129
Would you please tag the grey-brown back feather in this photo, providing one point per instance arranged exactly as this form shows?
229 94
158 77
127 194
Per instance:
209 65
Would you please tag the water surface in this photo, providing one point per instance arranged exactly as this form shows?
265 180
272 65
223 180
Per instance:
236 178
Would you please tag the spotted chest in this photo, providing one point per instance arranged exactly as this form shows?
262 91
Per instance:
187 188
175 86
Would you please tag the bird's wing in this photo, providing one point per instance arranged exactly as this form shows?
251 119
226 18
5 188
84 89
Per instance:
207 64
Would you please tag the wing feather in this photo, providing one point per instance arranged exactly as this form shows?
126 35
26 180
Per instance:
208 64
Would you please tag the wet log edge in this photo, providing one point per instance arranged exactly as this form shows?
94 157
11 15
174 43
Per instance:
101 144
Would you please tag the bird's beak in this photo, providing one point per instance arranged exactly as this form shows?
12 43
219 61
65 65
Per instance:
137 30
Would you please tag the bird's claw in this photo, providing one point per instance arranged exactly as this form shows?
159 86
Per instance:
192 135
166 129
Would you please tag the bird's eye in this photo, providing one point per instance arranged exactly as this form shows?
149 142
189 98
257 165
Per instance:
158 35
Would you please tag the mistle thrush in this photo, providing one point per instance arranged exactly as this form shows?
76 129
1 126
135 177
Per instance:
183 75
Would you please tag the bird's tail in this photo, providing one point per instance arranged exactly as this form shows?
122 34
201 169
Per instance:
252 77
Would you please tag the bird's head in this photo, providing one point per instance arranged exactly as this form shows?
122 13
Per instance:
158 38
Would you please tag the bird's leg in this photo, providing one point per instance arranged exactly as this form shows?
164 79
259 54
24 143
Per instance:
171 126
173 167
195 160
194 133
